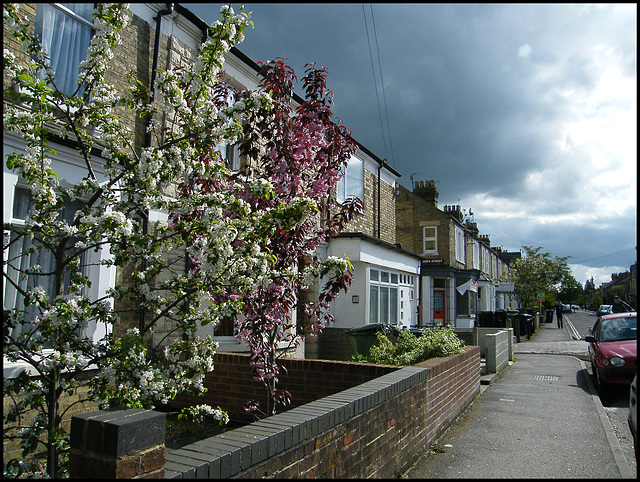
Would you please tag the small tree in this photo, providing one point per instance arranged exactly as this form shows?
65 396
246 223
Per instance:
536 273
298 155
215 258
570 291
588 292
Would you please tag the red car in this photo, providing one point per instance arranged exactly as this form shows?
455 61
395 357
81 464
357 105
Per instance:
613 348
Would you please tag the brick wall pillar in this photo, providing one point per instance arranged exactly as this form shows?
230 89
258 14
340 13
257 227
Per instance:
118 443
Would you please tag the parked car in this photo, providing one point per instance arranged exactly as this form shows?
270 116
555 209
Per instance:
613 347
604 310
575 307
633 412
566 308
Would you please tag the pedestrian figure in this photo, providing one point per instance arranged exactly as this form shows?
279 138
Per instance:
617 306
559 313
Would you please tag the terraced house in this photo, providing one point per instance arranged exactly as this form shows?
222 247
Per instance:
162 36
410 269
413 264
461 273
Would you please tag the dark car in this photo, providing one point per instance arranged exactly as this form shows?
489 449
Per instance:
613 349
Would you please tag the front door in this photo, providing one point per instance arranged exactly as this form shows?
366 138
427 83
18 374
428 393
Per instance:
439 308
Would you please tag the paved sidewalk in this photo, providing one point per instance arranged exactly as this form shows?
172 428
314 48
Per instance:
551 340
538 419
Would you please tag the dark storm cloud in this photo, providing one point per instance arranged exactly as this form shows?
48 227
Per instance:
505 105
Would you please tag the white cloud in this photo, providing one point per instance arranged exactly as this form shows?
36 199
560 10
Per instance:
600 276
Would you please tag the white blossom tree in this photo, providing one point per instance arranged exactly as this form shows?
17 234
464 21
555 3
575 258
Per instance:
192 271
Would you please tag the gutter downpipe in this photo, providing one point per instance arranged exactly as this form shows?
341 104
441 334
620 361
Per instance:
420 297
379 170
154 68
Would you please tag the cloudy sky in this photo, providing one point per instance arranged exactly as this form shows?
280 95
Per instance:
524 114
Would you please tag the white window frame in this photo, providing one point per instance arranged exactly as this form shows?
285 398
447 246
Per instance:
66 164
352 181
231 152
429 237
477 260
460 245
382 281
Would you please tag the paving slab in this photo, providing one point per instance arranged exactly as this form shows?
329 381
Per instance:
538 419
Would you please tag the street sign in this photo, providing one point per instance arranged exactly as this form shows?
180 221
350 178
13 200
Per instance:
506 287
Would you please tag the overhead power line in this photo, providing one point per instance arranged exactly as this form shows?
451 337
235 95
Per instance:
604 256
375 83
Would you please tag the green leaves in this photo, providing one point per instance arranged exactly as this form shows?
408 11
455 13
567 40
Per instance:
538 272
410 349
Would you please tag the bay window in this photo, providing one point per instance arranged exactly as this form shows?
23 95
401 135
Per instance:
383 297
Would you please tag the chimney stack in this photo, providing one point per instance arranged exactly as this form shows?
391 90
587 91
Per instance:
427 190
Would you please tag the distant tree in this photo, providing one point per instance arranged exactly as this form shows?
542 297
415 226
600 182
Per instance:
596 301
590 286
588 292
538 273
570 291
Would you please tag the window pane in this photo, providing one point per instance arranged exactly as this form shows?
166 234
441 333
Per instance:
384 277
394 278
355 178
393 306
373 304
473 301
25 253
373 275
21 203
384 305
66 39
462 303
352 182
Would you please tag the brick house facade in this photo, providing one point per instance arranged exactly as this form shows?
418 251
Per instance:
180 34
460 271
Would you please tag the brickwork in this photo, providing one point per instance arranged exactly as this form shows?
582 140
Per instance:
374 430
118 444
412 214
75 404
230 385
368 222
11 44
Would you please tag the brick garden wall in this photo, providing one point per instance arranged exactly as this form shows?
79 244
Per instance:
374 430
230 384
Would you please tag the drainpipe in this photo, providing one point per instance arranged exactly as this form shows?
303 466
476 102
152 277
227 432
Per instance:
156 55
420 297
379 169
154 68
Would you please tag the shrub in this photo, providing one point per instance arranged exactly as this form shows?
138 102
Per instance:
410 349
